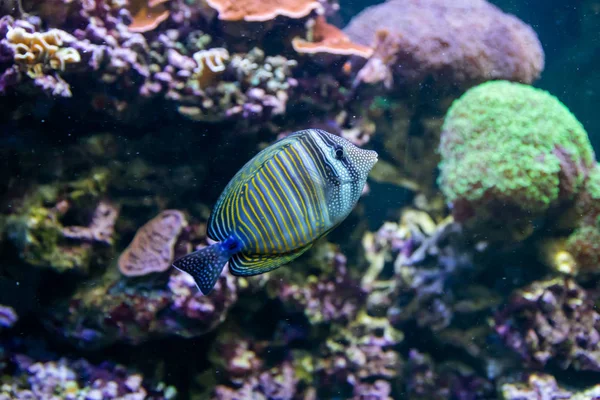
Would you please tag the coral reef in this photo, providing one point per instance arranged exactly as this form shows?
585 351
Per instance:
123 120
113 310
552 321
544 387
460 43
41 56
511 150
67 379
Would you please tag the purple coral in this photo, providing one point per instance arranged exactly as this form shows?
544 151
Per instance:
112 311
278 383
79 379
553 321
332 297
459 43
8 316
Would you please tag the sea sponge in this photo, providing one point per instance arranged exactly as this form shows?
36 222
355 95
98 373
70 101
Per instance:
513 150
152 248
460 42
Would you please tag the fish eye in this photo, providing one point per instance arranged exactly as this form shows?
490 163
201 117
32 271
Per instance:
339 153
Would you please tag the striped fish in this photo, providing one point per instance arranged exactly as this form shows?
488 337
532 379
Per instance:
282 201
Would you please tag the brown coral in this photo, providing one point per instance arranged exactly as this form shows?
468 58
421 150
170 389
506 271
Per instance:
262 10
326 38
147 14
152 247
460 42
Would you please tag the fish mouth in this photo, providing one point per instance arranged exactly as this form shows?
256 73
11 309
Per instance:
373 157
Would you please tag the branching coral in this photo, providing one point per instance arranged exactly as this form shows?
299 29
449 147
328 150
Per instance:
509 149
552 321
459 43
152 247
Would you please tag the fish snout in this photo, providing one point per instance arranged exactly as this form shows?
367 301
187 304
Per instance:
372 158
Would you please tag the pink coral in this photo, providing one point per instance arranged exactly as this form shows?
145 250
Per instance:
152 247
460 42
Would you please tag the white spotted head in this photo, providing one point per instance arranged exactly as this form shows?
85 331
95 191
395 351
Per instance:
347 169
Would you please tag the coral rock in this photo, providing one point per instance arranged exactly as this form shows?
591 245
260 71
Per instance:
544 387
552 321
458 43
67 379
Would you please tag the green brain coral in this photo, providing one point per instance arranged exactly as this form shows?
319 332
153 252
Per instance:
510 145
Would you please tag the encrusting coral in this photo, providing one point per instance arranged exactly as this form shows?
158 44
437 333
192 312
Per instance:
457 43
152 248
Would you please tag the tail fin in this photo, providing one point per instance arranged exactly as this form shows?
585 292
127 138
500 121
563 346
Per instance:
204 265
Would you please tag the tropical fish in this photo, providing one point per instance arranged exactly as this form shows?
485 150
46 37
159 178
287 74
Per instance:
283 200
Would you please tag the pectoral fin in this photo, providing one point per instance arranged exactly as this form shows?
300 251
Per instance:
254 264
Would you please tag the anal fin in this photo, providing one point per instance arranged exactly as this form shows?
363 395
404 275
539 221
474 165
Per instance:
255 264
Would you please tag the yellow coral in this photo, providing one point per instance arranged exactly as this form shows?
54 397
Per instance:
41 50
210 63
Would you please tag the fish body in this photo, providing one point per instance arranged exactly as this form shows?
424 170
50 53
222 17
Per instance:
279 203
